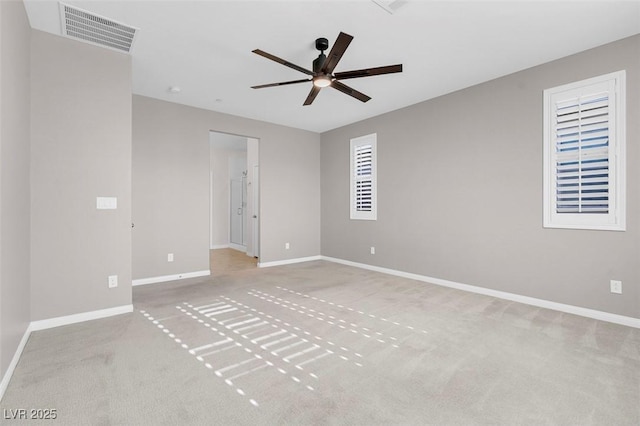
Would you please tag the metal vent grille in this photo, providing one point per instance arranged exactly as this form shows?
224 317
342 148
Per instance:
83 25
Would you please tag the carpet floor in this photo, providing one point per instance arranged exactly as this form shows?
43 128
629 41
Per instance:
320 343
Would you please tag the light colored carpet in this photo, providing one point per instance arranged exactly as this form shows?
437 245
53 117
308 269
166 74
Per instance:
321 343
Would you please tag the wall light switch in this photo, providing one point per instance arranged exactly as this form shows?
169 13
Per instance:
373 250
287 246
113 281
106 203
170 257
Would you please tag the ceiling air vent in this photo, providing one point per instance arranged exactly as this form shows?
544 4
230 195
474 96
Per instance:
95 29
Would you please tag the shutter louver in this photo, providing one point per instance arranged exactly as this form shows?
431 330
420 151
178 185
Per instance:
582 154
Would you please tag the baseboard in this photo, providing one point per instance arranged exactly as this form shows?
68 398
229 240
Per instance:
165 278
219 246
288 261
85 316
541 303
14 362
238 247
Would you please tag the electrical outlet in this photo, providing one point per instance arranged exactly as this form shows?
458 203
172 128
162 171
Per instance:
170 257
373 250
287 246
616 286
113 281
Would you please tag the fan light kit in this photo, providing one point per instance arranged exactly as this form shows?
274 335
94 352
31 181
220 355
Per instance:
322 81
323 66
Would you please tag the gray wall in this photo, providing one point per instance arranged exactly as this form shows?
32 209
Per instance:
460 192
219 195
14 178
81 149
171 187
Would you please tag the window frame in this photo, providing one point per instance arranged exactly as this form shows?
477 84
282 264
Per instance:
615 219
355 213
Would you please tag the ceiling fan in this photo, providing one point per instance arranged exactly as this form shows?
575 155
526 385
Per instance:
323 75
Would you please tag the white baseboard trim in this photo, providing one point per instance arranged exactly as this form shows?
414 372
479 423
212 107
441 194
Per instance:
541 303
165 278
288 261
85 316
14 362
238 247
51 323
219 246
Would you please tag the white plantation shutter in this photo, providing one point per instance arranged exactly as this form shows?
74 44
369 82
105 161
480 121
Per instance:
584 161
363 178
582 154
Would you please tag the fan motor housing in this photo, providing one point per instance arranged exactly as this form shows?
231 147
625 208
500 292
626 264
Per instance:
317 63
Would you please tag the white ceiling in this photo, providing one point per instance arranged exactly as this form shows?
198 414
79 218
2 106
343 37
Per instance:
204 47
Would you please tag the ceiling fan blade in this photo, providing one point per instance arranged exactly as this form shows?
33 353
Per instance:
349 91
282 61
368 72
312 95
337 50
283 83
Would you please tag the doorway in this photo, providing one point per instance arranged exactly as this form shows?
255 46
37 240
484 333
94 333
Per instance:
234 194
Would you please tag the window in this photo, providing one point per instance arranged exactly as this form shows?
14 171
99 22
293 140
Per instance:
363 178
584 154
